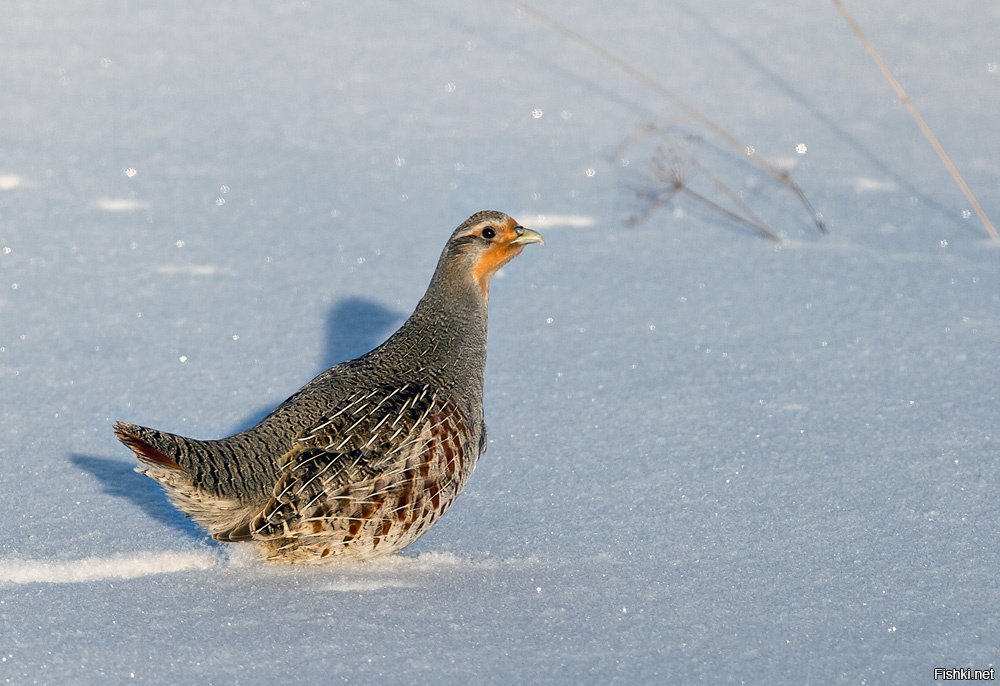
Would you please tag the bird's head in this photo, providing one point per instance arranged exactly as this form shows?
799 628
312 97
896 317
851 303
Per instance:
485 242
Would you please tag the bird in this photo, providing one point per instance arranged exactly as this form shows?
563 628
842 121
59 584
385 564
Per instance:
368 455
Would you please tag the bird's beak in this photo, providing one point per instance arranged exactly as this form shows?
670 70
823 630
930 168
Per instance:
525 236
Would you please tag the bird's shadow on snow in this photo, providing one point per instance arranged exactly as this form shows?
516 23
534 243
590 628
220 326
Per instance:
119 479
354 326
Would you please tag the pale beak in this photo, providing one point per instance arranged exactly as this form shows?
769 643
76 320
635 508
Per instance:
525 236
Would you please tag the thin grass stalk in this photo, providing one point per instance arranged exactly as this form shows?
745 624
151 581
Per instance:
771 170
924 128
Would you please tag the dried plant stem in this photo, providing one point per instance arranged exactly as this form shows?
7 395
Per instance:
673 179
924 128
740 219
678 185
752 219
656 201
771 170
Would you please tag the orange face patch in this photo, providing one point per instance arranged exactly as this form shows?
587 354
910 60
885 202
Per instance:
497 255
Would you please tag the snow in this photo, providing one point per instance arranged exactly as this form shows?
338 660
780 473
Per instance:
98 568
712 459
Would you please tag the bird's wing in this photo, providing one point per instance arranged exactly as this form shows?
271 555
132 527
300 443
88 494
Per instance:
353 444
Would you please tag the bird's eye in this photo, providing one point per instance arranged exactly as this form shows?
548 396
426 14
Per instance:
489 232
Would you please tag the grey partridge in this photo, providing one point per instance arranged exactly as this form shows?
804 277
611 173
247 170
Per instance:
367 456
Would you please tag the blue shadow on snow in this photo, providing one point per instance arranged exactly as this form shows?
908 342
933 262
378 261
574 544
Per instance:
354 326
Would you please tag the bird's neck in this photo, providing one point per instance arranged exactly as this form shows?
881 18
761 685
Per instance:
446 334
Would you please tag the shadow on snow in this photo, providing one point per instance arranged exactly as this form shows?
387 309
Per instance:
354 326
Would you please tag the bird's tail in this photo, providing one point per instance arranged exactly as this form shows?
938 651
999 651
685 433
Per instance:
177 463
147 444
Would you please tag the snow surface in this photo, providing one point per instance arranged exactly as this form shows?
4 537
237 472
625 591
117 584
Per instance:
713 459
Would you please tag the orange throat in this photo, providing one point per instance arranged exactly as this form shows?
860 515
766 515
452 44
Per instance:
491 261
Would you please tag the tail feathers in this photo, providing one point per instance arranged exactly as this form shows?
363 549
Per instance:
137 438
220 514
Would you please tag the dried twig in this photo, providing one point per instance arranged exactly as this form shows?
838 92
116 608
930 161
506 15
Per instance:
771 170
669 171
924 128
675 182
748 215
